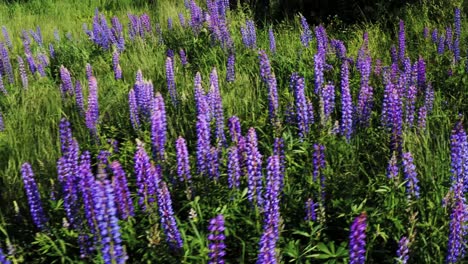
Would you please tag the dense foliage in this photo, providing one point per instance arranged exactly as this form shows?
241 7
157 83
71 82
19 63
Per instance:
185 133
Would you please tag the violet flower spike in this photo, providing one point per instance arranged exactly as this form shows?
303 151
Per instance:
357 240
216 239
34 199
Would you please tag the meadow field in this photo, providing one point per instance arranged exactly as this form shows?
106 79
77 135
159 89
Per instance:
191 132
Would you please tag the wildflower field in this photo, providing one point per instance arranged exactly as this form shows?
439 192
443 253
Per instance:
190 132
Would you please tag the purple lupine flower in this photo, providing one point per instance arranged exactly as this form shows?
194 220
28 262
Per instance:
65 135
216 239
318 71
117 34
122 193
456 43
196 17
203 131
346 102
322 40
410 95
217 105
234 129
34 199
92 113
269 78
31 63
378 67
6 37
116 66
144 171
422 116
168 221
254 169
182 20
403 251
318 160
395 116
183 57
132 102
306 35
213 167
392 168
183 163
170 25
426 32
171 86
271 207
265 67
458 154
51 50
158 127
67 84
79 97
441 44
3 259
271 37
411 176
365 99
357 240
107 222
449 38
23 74
429 98
421 74
37 36
311 215
249 34
401 41
435 35
41 70
340 48
302 113
5 58
233 168
458 230
2 124
328 95
230 67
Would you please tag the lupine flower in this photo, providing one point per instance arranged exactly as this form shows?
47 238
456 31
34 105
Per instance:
117 34
270 234
403 251
311 215
392 168
456 44
196 17
182 20
346 102
217 105
79 97
107 221
458 230
116 66
302 113
31 63
230 67
318 160
3 259
183 164
411 176
426 32
306 35
168 222
318 72
5 58
441 44
171 86
122 193
339 48
271 37
216 240
132 102
270 80
89 71
37 36
23 74
67 85
233 168
203 134
458 154
249 34
357 240
6 37
422 115
92 113
401 41
328 95
393 54
158 127
365 99
144 171
183 57
34 199
449 38
254 169
234 128
378 67
435 35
